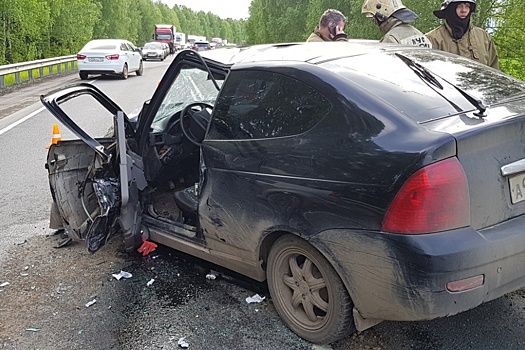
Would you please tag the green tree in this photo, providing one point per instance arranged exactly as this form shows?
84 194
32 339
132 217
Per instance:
25 30
510 37
69 28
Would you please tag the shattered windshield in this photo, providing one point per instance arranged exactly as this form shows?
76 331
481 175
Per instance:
191 85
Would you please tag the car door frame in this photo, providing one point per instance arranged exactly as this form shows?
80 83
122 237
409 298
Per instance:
131 174
150 109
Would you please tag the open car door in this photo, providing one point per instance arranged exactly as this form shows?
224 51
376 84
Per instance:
95 182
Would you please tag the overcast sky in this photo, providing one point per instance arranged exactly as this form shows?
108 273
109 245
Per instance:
236 9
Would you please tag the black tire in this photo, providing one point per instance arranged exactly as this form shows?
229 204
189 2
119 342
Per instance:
307 292
124 74
140 71
83 75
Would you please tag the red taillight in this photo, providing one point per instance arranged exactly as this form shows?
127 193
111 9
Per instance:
433 199
81 57
112 57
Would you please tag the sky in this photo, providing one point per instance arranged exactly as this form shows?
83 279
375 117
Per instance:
236 9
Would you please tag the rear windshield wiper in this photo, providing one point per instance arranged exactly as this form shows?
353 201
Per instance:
429 77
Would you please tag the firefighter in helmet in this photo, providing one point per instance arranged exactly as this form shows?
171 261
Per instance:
458 35
393 20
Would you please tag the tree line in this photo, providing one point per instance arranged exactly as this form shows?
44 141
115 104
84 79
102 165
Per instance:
294 20
34 29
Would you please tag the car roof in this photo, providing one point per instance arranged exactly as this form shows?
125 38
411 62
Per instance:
378 69
312 52
109 41
104 43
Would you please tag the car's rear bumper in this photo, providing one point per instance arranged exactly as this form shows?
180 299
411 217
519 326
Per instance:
154 56
109 72
404 277
100 68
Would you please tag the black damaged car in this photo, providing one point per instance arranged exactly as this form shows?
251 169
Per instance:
363 181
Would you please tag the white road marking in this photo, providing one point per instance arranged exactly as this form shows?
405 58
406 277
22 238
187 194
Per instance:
21 120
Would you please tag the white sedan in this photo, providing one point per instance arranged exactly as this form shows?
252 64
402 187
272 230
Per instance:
155 50
109 57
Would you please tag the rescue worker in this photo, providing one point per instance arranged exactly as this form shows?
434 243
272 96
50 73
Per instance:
459 36
331 27
393 20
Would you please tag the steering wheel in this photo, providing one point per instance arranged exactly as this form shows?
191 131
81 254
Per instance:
189 111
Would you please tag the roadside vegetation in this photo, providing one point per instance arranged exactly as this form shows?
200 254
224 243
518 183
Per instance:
35 29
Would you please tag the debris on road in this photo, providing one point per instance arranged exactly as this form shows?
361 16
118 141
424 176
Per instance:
150 282
255 299
89 303
182 343
33 329
211 276
122 274
146 247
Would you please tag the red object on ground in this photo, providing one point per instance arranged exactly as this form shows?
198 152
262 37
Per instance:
146 247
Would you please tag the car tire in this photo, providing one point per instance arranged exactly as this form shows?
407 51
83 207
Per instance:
83 75
307 292
140 71
124 74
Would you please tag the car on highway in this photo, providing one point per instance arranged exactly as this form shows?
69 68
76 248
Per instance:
155 51
201 46
362 181
109 57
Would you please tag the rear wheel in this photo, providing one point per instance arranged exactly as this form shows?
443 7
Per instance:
83 75
124 74
140 71
307 292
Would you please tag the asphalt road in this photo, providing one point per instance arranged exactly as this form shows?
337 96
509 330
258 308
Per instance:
25 130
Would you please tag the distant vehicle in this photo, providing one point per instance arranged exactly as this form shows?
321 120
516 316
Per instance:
109 57
180 41
165 33
166 48
201 46
193 38
155 51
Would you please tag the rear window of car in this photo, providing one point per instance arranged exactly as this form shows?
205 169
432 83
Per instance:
153 46
102 47
389 78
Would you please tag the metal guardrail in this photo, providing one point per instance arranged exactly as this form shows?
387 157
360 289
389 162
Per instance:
17 68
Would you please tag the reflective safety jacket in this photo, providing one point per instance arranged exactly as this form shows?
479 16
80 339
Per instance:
402 33
475 44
